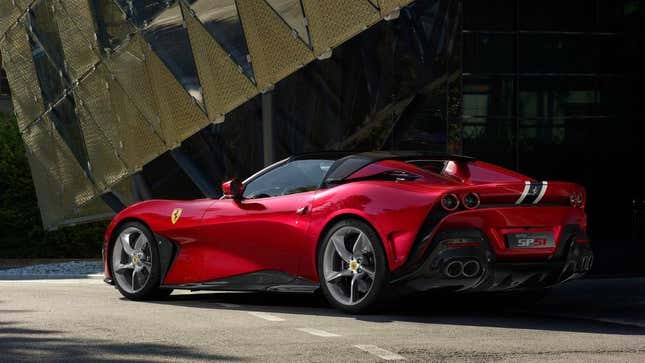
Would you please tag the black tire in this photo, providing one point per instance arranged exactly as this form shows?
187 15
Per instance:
151 289
381 274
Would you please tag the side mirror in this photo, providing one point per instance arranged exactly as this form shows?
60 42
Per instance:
233 189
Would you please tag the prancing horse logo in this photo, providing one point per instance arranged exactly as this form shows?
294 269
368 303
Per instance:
176 213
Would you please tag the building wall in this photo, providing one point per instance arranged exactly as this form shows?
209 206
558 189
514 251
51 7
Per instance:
552 89
396 85
104 90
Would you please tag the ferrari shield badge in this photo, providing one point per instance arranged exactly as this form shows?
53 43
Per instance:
176 213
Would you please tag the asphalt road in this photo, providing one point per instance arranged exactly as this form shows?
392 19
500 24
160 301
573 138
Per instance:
85 320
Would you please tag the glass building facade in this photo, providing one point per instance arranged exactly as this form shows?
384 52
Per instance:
166 99
552 89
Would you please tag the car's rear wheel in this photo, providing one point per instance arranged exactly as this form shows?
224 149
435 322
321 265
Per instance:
135 263
352 267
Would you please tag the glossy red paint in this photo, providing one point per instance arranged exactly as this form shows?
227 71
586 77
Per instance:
243 236
226 237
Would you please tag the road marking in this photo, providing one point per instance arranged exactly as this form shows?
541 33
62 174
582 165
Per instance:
265 316
317 332
380 352
230 306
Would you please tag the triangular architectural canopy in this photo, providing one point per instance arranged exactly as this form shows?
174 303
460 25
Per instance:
221 19
169 39
292 13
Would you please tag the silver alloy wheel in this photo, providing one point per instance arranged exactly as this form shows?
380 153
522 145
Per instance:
132 260
349 265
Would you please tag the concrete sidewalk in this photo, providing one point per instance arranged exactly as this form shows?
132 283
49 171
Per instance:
50 269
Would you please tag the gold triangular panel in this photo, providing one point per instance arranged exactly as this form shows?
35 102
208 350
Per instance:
95 93
76 31
275 52
388 6
331 22
39 143
21 74
117 27
123 190
94 210
224 86
8 15
76 188
128 67
47 192
139 142
107 168
22 4
292 13
179 113
374 3
403 3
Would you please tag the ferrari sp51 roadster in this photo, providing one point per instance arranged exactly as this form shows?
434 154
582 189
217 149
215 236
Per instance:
357 226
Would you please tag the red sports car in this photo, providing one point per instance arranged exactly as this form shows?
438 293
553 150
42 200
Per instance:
357 226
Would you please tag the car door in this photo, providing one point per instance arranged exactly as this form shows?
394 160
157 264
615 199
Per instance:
266 229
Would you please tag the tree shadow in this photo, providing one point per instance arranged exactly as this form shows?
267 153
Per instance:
567 309
24 344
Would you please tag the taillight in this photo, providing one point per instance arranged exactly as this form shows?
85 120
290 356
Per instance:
471 200
577 199
450 202
573 199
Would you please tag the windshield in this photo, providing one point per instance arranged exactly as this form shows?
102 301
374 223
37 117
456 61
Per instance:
293 177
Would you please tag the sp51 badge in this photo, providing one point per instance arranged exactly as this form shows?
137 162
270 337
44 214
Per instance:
530 240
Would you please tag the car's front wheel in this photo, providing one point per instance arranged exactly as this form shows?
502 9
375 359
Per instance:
352 266
135 263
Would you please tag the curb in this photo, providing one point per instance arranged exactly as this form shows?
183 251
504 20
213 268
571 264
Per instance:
22 277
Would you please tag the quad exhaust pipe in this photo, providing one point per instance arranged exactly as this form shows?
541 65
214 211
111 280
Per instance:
458 269
471 268
454 269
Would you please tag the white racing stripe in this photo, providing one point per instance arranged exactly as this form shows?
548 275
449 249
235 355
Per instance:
380 352
527 187
545 186
317 332
265 316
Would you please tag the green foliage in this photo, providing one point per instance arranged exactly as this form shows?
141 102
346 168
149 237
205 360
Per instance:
21 230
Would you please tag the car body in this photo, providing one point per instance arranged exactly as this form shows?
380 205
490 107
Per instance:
443 221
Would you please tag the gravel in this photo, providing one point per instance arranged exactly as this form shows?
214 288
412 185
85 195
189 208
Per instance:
61 270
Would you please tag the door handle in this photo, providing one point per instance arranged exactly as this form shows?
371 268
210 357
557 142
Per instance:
302 211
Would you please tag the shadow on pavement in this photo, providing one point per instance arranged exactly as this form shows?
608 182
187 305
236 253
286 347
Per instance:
609 306
18 343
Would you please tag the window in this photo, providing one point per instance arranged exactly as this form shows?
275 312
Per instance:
295 177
